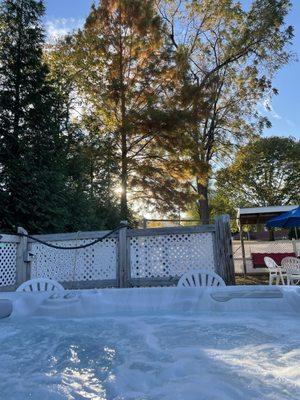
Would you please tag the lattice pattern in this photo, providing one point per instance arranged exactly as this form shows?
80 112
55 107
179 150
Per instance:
98 262
170 255
8 254
262 247
277 246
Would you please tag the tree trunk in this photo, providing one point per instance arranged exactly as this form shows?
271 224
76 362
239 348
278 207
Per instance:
91 179
124 156
271 235
124 178
202 203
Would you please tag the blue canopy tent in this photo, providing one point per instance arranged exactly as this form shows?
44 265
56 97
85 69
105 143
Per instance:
290 219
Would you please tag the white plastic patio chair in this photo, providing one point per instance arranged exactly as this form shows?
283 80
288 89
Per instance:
199 278
40 285
292 267
275 271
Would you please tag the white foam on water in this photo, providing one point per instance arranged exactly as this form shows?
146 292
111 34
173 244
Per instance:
200 356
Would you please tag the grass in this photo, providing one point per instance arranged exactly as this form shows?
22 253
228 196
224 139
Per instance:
255 279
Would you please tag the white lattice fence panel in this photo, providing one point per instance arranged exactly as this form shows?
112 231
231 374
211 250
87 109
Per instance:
262 247
268 247
170 255
277 246
8 255
97 262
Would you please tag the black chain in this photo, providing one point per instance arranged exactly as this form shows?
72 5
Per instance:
73 247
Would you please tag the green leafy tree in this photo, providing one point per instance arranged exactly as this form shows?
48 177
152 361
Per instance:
32 174
230 56
264 173
91 202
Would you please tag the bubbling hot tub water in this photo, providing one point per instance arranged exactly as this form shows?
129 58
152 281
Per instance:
142 344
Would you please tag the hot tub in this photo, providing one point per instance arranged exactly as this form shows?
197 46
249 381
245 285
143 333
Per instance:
158 343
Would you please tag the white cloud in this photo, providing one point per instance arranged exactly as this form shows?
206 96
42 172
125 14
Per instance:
265 108
59 27
270 109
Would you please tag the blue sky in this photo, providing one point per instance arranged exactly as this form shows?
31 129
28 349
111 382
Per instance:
65 15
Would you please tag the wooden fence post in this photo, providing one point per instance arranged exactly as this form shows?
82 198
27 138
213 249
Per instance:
122 257
223 249
21 264
243 251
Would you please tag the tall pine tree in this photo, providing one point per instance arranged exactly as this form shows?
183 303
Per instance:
124 72
32 167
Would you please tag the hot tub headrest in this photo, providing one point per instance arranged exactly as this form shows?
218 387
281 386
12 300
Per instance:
5 308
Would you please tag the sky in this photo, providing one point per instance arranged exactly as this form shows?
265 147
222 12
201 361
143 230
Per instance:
63 16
